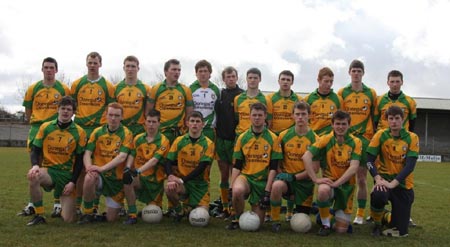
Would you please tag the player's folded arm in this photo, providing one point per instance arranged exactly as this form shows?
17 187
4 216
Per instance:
197 171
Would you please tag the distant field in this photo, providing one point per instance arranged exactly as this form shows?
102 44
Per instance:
430 212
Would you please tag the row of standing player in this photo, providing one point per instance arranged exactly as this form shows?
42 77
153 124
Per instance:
321 99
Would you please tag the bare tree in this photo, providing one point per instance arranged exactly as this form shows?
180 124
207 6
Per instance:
22 87
114 79
157 77
24 83
62 77
219 82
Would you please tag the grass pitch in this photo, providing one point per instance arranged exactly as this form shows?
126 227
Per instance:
430 212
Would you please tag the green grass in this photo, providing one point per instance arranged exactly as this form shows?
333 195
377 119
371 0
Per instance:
430 209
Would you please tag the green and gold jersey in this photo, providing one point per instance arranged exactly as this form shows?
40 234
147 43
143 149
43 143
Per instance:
257 152
361 107
205 99
143 151
105 146
133 98
392 152
334 157
60 146
188 155
282 108
322 110
242 103
293 147
43 101
171 102
405 102
92 100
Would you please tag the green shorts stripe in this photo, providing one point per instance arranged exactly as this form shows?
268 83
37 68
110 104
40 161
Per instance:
150 191
197 193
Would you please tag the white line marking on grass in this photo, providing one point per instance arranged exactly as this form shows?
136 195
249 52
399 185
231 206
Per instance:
432 185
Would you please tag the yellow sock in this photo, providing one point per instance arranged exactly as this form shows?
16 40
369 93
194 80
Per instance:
324 213
377 216
275 208
360 212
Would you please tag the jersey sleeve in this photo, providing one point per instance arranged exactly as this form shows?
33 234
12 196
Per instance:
317 147
73 88
237 151
413 110
135 146
92 139
189 99
152 94
163 150
111 92
375 100
173 151
28 99
357 150
374 145
235 106
269 108
127 143
148 90
413 146
341 102
81 141
377 112
39 139
276 153
209 153
269 105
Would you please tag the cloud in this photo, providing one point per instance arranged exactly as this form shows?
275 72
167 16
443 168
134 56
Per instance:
301 36
421 28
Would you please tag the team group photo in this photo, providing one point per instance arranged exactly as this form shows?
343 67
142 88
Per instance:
134 142
237 123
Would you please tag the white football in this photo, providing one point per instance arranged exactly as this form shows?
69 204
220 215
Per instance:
152 214
199 217
249 221
301 222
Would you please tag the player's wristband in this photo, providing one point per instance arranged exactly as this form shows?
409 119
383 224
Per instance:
181 181
138 171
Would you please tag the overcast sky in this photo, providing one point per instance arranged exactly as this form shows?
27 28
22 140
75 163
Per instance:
302 36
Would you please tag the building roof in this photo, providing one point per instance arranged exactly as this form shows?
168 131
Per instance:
432 103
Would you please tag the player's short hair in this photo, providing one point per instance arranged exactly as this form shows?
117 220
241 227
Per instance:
170 62
116 105
154 113
325 71
203 63
131 59
395 73
94 54
67 100
50 60
394 110
341 115
301 105
286 73
258 106
229 70
254 71
195 114
356 64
